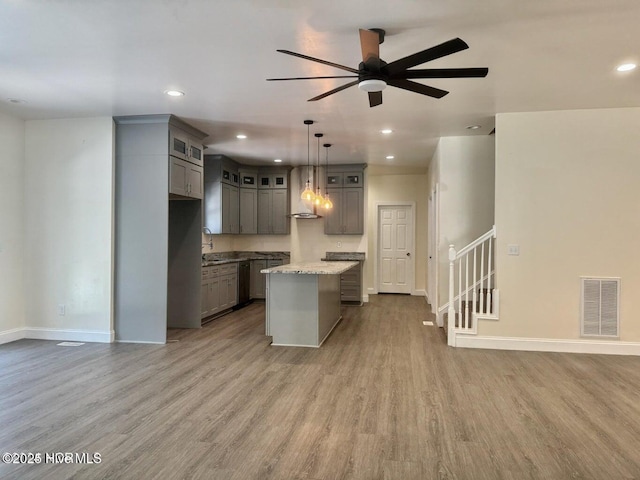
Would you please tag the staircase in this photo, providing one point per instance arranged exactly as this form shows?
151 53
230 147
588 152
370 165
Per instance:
473 294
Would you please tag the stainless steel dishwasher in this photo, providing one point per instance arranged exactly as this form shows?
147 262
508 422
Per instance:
244 280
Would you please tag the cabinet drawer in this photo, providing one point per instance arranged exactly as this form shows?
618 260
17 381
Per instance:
350 294
228 268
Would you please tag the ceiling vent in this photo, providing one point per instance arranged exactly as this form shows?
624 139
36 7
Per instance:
600 307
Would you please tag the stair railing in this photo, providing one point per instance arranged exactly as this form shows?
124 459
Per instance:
475 273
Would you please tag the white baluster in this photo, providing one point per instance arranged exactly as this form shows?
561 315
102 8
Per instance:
460 292
491 270
475 277
481 277
466 291
451 312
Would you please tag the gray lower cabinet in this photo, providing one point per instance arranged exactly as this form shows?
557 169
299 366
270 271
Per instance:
185 178
248 211
351 285
273 207
219 289
347 215
258 280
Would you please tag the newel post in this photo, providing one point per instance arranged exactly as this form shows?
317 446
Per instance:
451 312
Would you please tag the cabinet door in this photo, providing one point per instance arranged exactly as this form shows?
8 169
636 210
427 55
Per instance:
352 179
178 144
333 217
264 212
230 209
178 175
233 289
248 211
196 152
214 295
279 211
334 179
204 309
194 181
234 210
352 211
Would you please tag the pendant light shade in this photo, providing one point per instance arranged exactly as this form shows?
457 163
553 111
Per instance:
327 204
307 194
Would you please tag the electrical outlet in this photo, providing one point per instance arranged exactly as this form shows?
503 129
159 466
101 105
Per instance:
62 309
339 244
513 250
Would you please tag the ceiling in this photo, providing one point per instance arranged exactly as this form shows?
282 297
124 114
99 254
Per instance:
79 58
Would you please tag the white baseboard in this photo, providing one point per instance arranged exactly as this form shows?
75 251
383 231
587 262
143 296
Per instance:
419 293
549 345
69 335
11 335
365 298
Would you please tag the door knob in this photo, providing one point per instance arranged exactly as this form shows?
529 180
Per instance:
408 254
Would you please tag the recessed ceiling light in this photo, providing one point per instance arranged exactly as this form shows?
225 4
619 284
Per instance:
16 100
241 136
626 67
174 93
390 157
278 160
386 131
473 127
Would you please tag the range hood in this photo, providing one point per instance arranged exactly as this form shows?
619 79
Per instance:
299 208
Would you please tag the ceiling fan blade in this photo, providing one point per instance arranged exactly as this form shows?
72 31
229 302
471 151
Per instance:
417 87
335 90
444 73
311 78
442 50
331 64
370 45
375 99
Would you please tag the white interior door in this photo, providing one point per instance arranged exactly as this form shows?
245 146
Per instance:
395 249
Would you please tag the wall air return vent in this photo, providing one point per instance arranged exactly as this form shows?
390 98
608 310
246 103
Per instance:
600 307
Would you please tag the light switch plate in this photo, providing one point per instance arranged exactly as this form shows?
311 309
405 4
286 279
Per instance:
513 249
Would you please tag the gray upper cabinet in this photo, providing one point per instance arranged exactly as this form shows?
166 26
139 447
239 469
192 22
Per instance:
185 178
245 200
248 201
273 201
248 211
273 208
346 189
221 195
185 146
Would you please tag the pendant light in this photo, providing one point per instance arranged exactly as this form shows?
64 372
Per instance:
327 204
307 195
318 200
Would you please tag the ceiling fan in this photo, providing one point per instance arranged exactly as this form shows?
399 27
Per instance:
374 74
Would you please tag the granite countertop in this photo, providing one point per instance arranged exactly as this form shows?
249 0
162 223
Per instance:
344 256
313 268
213 259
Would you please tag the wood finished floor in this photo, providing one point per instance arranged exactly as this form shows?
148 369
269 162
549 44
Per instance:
384 398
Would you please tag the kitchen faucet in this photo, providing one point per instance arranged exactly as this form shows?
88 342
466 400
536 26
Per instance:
208 232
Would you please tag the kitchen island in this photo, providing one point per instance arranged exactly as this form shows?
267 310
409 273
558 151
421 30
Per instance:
303 302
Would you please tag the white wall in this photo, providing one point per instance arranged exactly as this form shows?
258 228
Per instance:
12 298
69 170
567 193
464 169
399 188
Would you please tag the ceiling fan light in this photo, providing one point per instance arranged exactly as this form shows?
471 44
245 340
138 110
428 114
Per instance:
372 85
